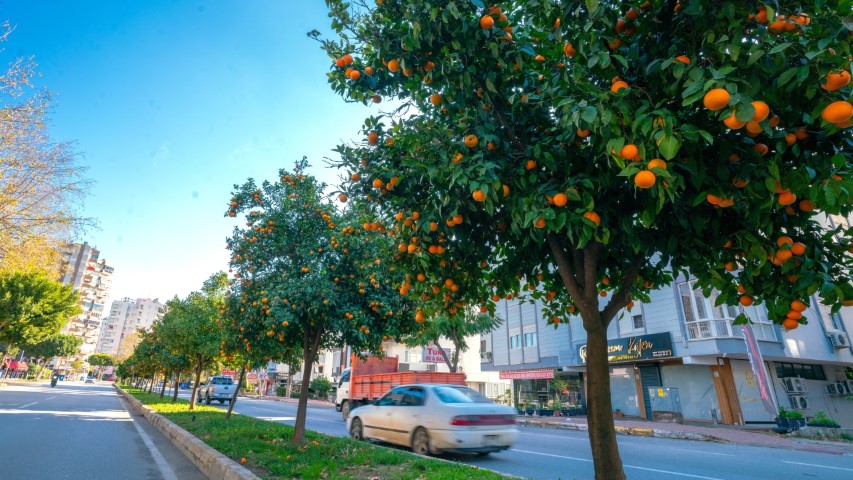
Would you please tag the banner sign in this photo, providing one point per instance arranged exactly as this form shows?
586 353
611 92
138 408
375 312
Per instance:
757 362
643 347
433 355
527 374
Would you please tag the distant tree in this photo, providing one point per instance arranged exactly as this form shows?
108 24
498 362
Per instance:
33 307
455 329
59 345
42 185
102 360
127 346
321 385
308 277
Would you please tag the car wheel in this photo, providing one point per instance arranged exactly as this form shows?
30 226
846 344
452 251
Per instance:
221 402
420 442
207 400
356 429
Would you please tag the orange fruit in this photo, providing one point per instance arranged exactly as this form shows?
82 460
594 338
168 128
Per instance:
618 85
457 219
505 189
354 75
539 58
761 148
713 199
732 122
798 306
657 163
836 81
787 198
794 315
592 217
394 65
754 128
243 460
683 59
745 300
629 152
378 183
739 182
784 240
569 50
560 199
790 323
479 196
582 133
806 205
487 22
837 112
741 289
632 14
790 139
368 70
530 165
762 111
343 198
435 99
716 99
372 138
540 223
644 179
726 202
471 141
798 248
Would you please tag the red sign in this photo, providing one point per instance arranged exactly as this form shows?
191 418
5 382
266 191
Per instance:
527 374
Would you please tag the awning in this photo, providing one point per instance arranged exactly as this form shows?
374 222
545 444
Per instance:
16 365
527 374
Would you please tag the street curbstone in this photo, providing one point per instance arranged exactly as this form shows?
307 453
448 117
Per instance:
211 462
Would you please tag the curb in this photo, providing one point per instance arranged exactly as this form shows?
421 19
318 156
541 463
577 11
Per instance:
635 431
212 463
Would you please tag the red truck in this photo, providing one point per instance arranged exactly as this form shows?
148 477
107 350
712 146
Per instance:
369 379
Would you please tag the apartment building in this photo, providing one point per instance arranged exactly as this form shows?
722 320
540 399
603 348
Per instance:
680 352
127 316
91 277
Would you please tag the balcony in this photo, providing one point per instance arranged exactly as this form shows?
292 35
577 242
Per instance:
723 328
485 357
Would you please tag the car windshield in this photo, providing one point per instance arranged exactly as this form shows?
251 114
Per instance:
222 381
459 395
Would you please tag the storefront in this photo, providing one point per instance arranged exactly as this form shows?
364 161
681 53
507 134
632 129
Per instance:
544 388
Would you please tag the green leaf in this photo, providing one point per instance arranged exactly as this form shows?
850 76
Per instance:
592 5
779 48
787 75
838 160
669 146
490 86
589 114
478 4
754 56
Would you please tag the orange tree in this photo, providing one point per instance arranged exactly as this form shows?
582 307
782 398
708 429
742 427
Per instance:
588 150
307 277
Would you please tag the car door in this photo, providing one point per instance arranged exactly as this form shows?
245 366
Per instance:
411 413
379 420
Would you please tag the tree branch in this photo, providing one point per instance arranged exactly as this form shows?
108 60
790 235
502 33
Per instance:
622 296
564 267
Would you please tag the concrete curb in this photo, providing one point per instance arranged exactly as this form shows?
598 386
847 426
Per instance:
641 432
211 462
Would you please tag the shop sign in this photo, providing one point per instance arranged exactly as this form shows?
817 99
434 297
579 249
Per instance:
643 347
433 355
527 374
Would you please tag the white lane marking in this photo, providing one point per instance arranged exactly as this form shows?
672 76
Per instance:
821 466
162 465
584 439
28 405
626 466
704 453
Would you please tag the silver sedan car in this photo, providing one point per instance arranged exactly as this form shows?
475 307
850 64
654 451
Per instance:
431 419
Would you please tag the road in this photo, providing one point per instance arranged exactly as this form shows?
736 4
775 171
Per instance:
81 431
543 453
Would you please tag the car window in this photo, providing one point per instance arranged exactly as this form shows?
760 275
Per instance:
392 398
460 394
413 397
222 381
344 377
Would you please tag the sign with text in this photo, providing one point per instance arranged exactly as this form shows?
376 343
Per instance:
433 355
527 374
643 347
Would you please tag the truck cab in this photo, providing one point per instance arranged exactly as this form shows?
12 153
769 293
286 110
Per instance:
342 392
220 388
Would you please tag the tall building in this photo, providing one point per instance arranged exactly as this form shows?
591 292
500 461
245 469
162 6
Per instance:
91 277
127 316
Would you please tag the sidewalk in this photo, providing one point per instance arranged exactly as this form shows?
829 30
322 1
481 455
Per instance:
760 436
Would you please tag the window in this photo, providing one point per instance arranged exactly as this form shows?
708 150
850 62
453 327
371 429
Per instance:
414 397
515 342
705 319
638 321
454 394
530 339
809 372
393 397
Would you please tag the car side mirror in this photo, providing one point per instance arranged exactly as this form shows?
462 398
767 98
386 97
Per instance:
375 401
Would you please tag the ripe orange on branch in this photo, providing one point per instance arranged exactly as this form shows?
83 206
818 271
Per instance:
716 99
837 112
645 179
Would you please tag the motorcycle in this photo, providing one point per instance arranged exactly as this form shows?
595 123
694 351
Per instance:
53 381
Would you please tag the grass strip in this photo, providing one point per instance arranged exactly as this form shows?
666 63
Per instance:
264 448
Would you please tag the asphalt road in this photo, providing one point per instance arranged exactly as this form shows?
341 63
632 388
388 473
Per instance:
81 431
544 453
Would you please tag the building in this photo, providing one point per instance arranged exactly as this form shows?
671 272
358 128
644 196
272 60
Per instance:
681 356
127 316
91 277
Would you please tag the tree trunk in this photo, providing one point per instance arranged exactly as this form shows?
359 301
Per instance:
236 390
309 351
163 388
175 393
198 366
602 431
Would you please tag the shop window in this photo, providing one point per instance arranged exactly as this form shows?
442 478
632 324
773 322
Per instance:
530 339
808 372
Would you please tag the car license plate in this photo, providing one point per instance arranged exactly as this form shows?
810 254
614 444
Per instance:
491 440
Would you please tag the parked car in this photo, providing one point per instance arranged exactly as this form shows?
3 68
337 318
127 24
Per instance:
90 380
219 387
435 418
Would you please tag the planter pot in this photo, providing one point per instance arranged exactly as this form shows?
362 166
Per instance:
546 412
530 411
790 424
565 412
520 411
821 425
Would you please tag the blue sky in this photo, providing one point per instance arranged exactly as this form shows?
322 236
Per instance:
170 104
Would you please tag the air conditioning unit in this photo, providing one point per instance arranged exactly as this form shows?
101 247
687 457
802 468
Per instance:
843 388
794 385
831 389
838 339
798 402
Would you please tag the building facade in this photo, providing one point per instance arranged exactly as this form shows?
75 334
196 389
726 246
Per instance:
127 316
681 353
91 277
